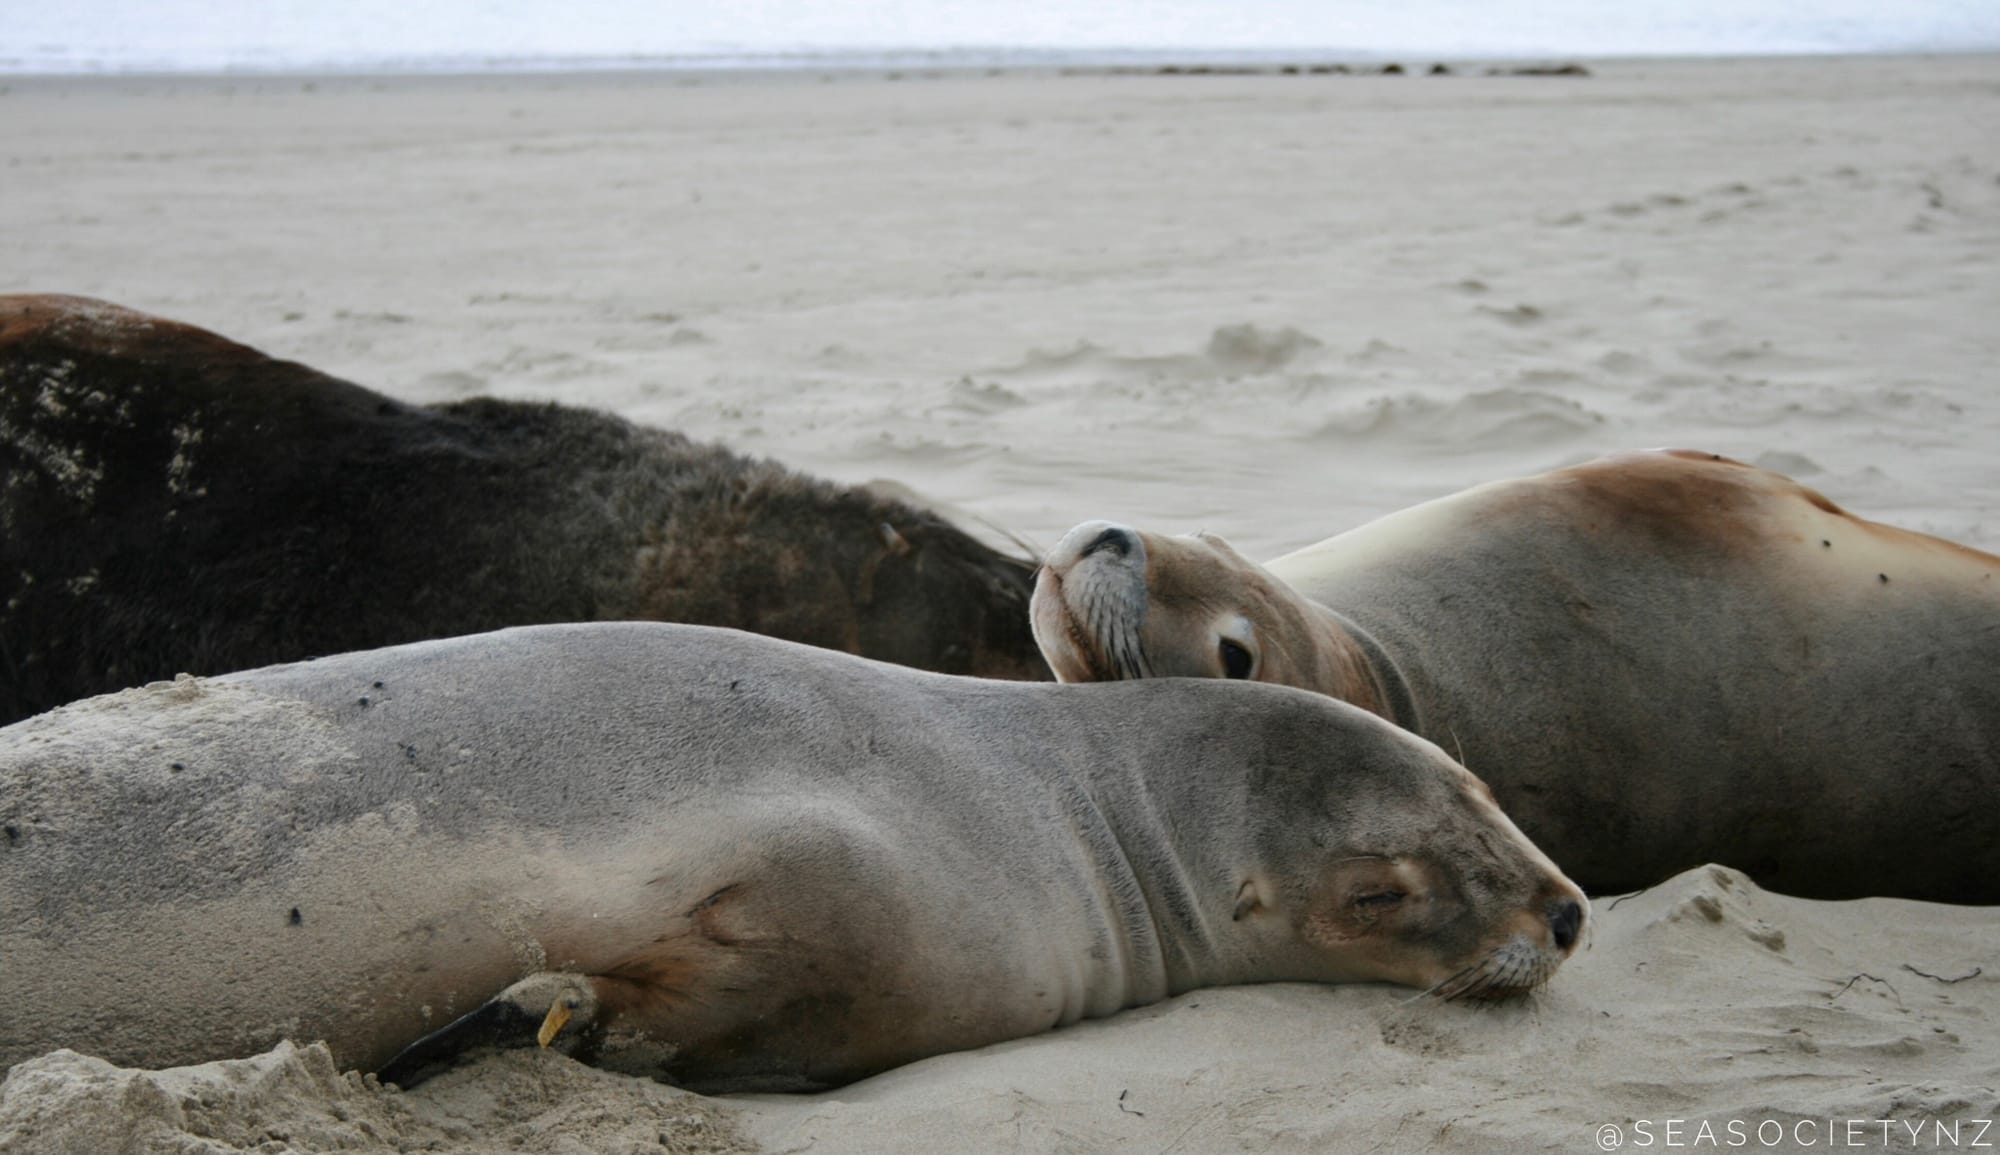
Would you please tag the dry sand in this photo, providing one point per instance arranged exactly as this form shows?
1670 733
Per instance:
1269 306
1273 306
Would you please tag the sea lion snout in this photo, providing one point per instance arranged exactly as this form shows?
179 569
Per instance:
1094 537
1116 538
1089 606
1395 865
1556 916
1438 921
1524 952
1565 922
1535 914
1112 602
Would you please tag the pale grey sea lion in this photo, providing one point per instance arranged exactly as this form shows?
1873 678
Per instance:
732 861
1655 659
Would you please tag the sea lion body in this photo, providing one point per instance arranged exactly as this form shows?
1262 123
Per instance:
174 502
1656 660
762 865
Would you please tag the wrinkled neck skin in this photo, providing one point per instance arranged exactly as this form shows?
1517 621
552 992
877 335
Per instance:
1350 664
1161 936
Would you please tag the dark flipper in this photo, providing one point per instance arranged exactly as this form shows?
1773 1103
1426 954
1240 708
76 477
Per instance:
542 1009
495 1024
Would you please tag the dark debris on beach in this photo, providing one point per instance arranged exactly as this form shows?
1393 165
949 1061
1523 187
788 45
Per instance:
1440 68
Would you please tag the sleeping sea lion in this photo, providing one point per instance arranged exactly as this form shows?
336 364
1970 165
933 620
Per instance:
720 859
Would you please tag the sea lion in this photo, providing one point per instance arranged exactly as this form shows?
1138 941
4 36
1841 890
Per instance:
171 501
1655 659
719 858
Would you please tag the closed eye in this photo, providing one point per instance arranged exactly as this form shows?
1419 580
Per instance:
1236 661
1380 898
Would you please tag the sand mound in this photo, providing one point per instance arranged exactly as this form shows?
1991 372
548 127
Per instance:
1518 419
1231 352
291 1099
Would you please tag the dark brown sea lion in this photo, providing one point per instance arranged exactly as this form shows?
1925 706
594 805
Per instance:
719 858
172 502
1655 659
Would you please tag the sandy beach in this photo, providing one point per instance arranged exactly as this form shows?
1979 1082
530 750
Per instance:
1270 306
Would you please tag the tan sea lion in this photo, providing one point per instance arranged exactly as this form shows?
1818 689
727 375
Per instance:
171 501
1655 659
718 858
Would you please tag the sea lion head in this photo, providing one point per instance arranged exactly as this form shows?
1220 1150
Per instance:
844 568
1112 602
1376 857
929 595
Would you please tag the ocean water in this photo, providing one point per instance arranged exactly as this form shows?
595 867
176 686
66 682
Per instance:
475 35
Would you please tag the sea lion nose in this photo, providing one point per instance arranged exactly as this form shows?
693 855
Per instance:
1115 537
1565 919
1092 537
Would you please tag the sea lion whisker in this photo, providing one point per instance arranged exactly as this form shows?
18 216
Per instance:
1455 986
1510 969
1112 638
1470 988
1439 985
1482 976
1133 656
1430 992
1104 629
1139 659
1125 649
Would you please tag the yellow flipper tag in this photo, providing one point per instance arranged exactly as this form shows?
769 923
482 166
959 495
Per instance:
557 1016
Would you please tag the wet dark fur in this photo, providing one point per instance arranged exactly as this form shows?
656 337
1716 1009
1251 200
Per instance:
171 502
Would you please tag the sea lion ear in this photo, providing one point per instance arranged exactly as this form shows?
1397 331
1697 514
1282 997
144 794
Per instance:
1248 900
1216 540
895 542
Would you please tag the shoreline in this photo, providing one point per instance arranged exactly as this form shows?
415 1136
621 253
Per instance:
939 64
1274 64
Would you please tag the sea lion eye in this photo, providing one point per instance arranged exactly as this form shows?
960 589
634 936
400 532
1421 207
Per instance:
1236 660
1380 899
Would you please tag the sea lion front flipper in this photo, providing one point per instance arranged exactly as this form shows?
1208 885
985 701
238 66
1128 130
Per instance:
546 1009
